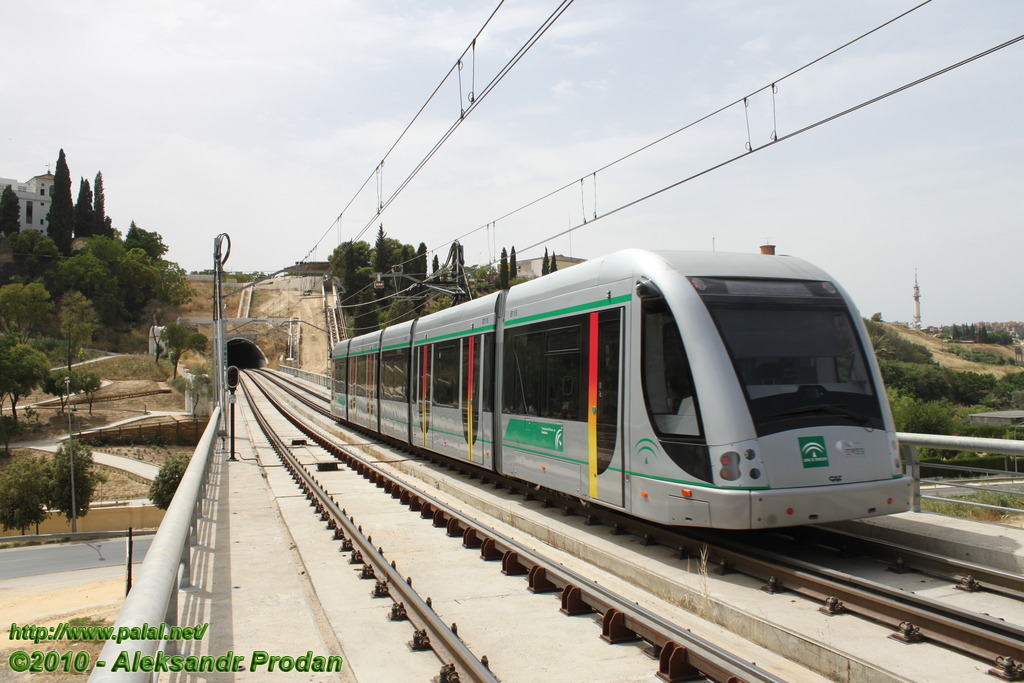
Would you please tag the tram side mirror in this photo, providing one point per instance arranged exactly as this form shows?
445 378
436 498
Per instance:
645 289
232 378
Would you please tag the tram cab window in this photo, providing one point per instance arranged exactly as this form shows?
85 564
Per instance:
667 382
796 352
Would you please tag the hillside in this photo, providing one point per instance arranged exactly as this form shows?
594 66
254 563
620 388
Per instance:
942 352
276 298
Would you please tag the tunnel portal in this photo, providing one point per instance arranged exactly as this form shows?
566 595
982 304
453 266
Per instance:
244 354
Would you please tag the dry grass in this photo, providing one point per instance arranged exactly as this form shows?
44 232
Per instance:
947 359
154 455
120 485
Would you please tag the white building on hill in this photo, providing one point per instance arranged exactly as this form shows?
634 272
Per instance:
34 200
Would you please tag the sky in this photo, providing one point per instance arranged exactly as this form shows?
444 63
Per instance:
263 119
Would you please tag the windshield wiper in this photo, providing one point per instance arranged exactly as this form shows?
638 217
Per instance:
825 409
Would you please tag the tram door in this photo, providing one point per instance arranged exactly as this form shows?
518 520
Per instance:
604 406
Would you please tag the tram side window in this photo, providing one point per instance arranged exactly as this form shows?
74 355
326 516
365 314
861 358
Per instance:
543 371
394 378
487 392
667 382
362 376
340 375
446 375
562 374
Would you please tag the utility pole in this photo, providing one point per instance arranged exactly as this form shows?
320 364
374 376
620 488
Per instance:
71 457
219 259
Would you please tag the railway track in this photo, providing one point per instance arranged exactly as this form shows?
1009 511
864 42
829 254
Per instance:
912 618
679 653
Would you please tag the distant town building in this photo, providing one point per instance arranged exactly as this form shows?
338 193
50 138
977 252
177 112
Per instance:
33 199
532 267
998 418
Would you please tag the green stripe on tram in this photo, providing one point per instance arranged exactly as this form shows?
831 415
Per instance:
601 303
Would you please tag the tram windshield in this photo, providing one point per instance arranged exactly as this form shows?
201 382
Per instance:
796 353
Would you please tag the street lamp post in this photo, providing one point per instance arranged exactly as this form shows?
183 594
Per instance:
71 456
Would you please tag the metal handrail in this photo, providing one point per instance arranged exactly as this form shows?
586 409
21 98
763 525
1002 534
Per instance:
167 568
909 444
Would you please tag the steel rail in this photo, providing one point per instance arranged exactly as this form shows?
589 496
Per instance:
442 640
913 616
972 576
680 651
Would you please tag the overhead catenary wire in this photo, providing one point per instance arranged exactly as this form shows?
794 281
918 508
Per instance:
783 138
456 66
773 86
463 115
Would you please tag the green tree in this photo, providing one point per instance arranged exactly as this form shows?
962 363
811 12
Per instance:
62 211
88 383
149 242
54 385
86 479
382 252
24 493
545 265
9 428
513 267
162 490
22 369
503 270
172 285
22 308
971 388
83 210
420 266
10 212
86 274
138 277
34 252
101 222
926 382
77 322
920 417
436 265
178 339
554 263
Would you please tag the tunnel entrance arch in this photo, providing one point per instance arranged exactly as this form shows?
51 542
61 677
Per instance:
244 354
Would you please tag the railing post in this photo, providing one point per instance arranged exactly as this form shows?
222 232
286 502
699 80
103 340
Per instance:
913 466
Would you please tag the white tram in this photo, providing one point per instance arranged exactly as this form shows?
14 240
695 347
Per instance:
718 390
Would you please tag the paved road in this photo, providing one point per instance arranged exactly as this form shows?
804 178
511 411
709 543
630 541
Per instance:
45 559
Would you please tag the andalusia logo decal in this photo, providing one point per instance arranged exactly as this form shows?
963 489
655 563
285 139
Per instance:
813 451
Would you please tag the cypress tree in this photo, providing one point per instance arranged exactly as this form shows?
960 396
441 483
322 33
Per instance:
84 224
421 260
545 267
62 210
437 264
101 224
381 252
554 264
10 212
513 267
503 270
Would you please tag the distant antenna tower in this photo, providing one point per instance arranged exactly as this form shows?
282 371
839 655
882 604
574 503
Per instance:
917 303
